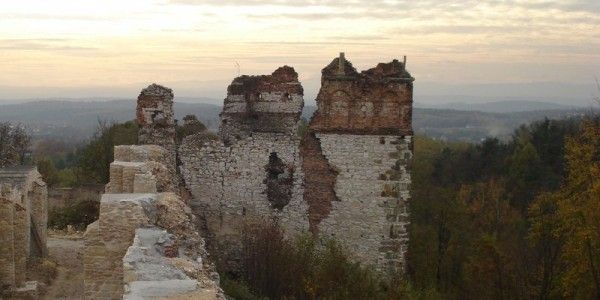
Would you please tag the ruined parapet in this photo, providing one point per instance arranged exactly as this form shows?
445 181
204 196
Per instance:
356 159
377 101
154 115
266 103
141 169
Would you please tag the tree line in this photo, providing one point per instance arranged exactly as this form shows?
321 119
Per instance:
516 220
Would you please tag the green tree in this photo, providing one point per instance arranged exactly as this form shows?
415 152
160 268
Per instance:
48 170
95 158
14 144
547 240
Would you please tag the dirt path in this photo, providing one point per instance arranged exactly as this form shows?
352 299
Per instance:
67 252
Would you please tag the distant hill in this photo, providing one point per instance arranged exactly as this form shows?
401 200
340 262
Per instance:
77 120
501 106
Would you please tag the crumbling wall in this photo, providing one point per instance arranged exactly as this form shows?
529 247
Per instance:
125 211
229 184
23 221
356 160
141 169
154 115
107 240
254 171
267 103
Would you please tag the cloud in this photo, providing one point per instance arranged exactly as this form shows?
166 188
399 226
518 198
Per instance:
59 17
41 45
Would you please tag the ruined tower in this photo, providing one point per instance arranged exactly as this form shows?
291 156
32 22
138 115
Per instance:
347 178
154 115
356 160
253 171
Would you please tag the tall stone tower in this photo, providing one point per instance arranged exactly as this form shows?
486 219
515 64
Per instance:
356 160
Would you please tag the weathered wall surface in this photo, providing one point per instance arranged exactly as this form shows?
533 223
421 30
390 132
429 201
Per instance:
107 240
132 202
7 248
254 172
230 184
356 160
267 103
23 221
372 187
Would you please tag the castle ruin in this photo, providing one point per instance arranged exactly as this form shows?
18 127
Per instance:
346 176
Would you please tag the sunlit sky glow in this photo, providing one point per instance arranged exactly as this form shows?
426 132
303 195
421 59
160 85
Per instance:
115 47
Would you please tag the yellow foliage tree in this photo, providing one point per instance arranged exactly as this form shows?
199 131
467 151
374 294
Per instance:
579 211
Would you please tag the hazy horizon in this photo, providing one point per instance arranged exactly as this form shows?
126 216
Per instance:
538 49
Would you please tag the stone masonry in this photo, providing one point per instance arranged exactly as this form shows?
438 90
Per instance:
362 129
23 221
348 178
145 243
254 171
154 115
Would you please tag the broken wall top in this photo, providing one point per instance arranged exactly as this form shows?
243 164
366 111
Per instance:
266 103
377 101
155 106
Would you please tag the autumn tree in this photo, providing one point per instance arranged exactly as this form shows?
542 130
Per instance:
579 211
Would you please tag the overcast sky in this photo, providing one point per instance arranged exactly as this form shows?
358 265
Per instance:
70 48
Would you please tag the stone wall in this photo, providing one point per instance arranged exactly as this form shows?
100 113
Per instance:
266 103
23 221
229 184
107 240
348 178
372 188
254 171
7 248
357 156
141 169
123 212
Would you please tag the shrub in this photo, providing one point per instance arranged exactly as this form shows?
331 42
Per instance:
306 267
78 214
